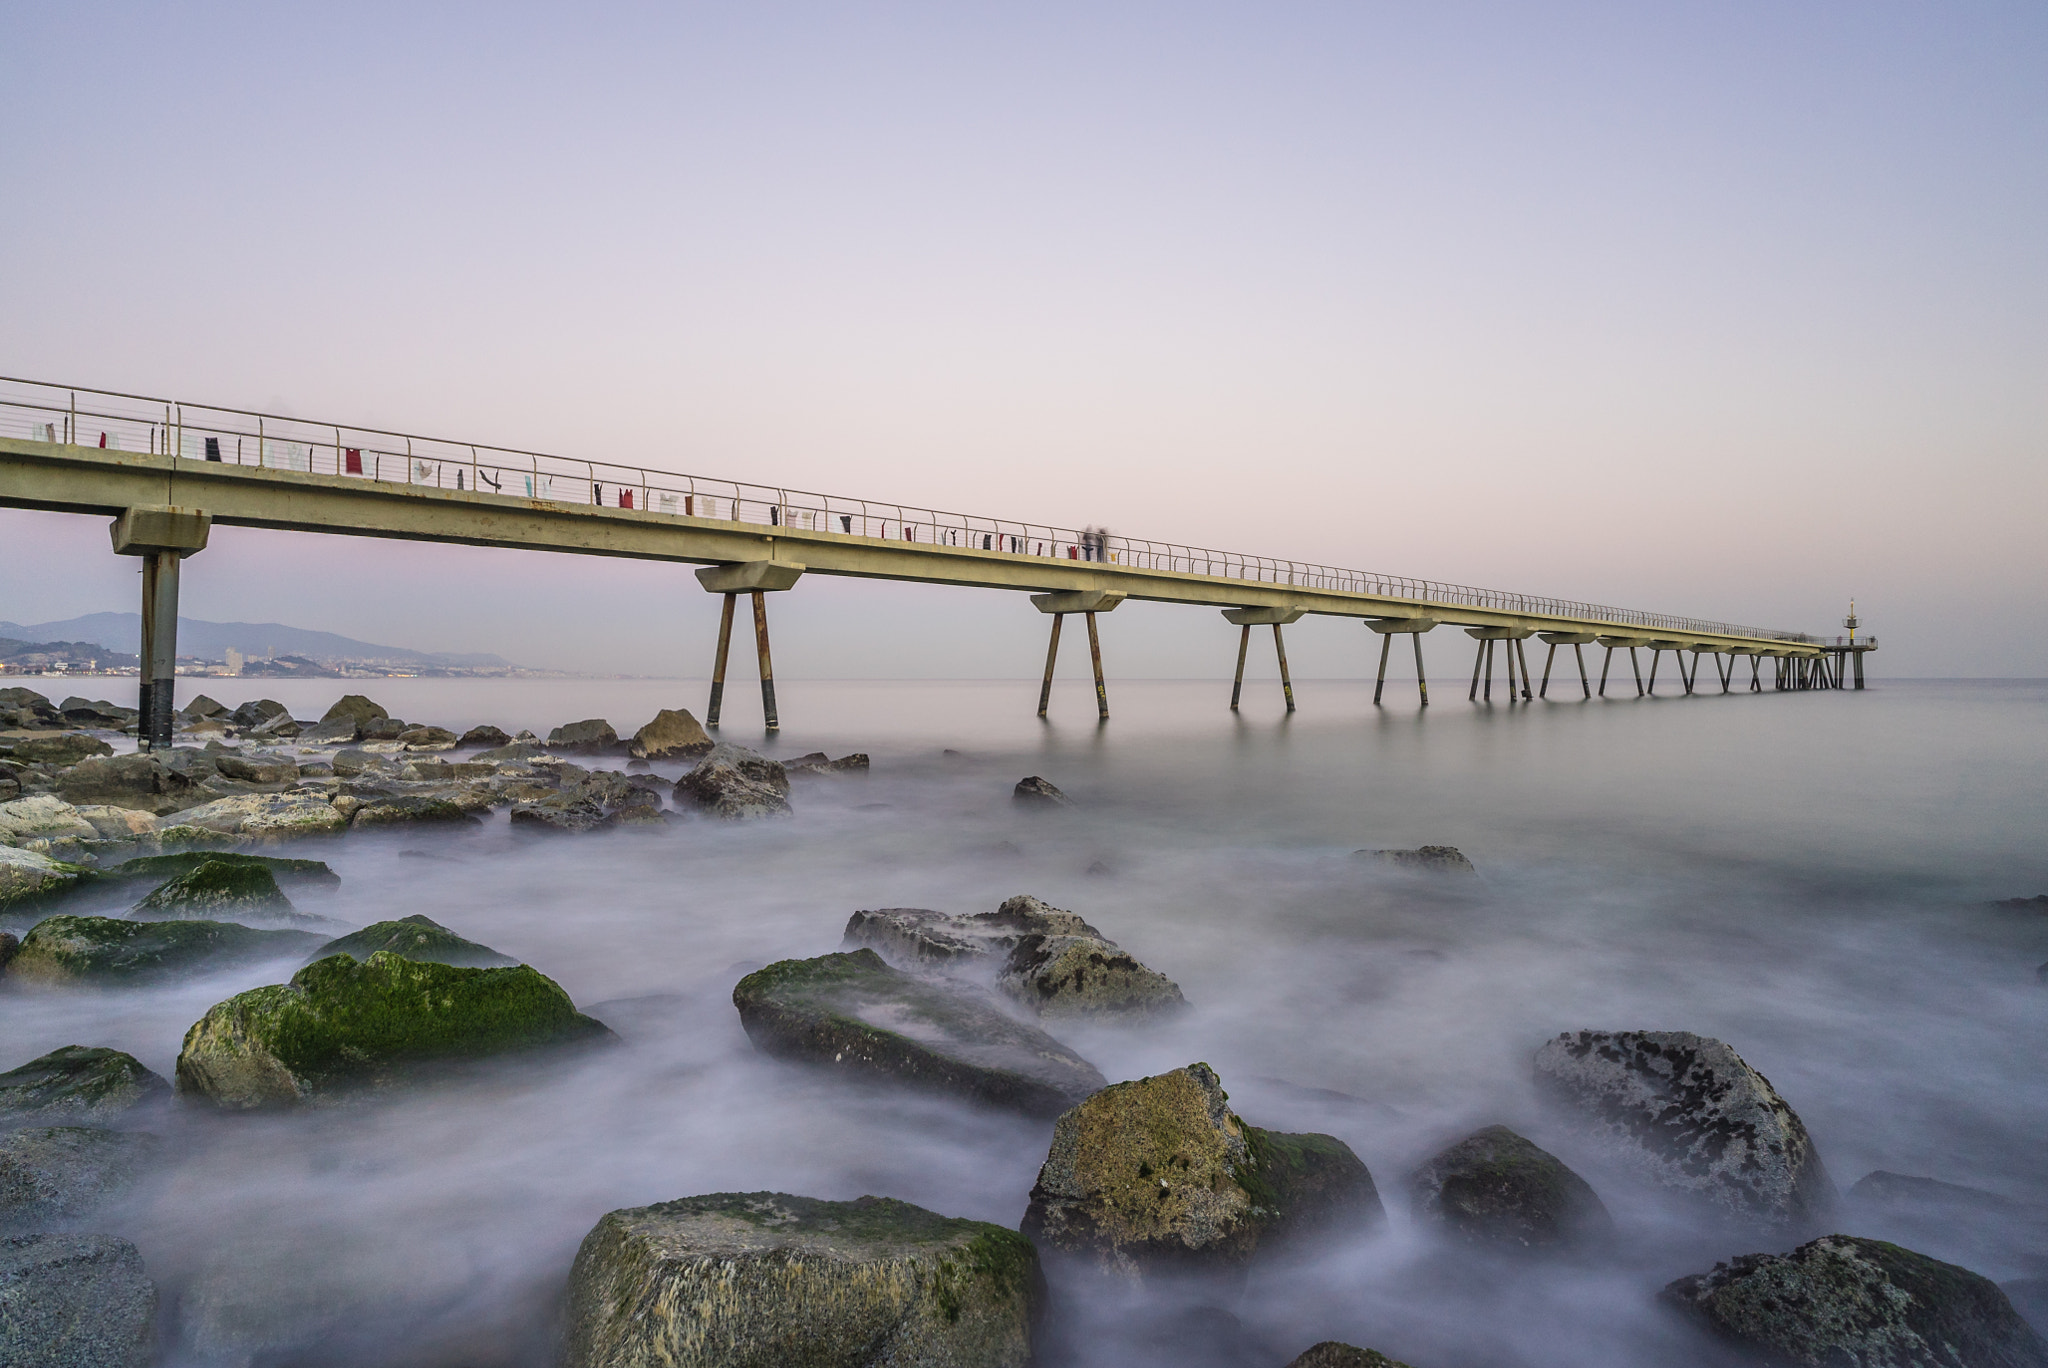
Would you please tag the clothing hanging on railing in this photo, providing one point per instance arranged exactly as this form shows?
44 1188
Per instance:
352 461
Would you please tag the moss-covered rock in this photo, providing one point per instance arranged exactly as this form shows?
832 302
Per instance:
342 1024
50 1174
215 889
1494 1187
415 938
65 950
356 708
854 1013
1845 1300
78 1085
30 878
1686 1112
1335 1354
289 873
1159 1177
414 809
735 1280
75 1301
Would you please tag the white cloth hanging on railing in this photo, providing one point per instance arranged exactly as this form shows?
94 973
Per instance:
282 455
425 472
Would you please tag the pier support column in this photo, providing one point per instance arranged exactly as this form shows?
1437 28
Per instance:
1858 658
1605 665
1244 645
1280 651
1486 637
1577 641
1412 628
162 536
1549 658
757 579
1052 655
1637 665
1585 685
1379 683
1088 602
1522 654
1095 657
1276 618
1656 657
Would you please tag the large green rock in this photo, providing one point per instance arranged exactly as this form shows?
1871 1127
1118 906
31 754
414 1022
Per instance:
64 1173
214 889
342 1025
29 878
1842 1300
289 873
74 1301
854 1013
77 1085
1494 1187
415 938
748 1280
105 950
1159 1177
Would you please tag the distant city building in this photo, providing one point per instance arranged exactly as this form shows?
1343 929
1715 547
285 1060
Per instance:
234 661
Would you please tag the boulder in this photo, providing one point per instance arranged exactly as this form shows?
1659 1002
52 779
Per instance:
42 817
342 731
415 938
1034 792
818 764
593 736
1686 1112
1335 1354
485 735
279 727
29 878
118 823
734 1280
257 767
672 733
75 1301
1842 1300
298 875
50 1174
257 711
265 816
1157 1177
1427 859
104 950
351 763
736 784
96 712
78 1085
216 890
202 706
1044 957
562 812
356 709
379 729
856 1014
10 944
427 739
160 782
342 1024
56 748
411 809
511 754
1494 1187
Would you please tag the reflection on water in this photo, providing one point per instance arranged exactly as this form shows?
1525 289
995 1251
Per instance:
1801 875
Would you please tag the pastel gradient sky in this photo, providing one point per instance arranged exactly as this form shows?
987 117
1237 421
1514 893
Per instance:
1730 310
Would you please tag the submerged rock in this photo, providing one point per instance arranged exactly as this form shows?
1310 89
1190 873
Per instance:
415 938
736 784
1960 1224
855 1013
817 763
1432 859
266 816
74 1301
593 736
78 1085
216 889
1335 1354
1034 792
1159 1177
734 1280
28 877
1843 1300
343 1024
672 733
1687 1112
1494 1187
302 875
50 1174
104 950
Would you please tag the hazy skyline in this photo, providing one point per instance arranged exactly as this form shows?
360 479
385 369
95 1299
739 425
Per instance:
1731 312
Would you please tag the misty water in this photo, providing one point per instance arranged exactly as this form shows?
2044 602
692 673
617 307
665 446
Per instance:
1806 876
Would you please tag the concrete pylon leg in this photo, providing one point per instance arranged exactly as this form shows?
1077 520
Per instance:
1579 652
1244 644
1052 653
1522 654
1478 659
1095 656
1656 657
711 709
1421 680
1508 650
1379 685
157 703
767 666
1549 658
1635 663
1858 657
1486 689
1280 650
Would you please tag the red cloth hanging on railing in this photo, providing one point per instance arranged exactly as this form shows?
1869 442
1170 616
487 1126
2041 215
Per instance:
625 498
352 461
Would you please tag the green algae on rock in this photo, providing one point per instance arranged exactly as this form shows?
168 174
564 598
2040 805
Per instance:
853 1012
734 1280
29 878
214 888
1159 1176
415 938
87 950
75 1301
62 1173
1494 1187
289 873
1842 1299
77 1084
342 1024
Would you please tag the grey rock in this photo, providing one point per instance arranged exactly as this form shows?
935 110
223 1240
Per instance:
279 726
510 754
357 709
258 711
257 767
264 816
736 784
342 731
1034 792
415 938
427 739
384 729
55 748
75 1301
78 1085
563 813
447 809
96 713
1494 1187
674 732
160 782
819 765
1432 859
53 1174
1335 1354
594 736
735 1280
1688 1113
203 706
485 735
1843 1300
854 1013
42 816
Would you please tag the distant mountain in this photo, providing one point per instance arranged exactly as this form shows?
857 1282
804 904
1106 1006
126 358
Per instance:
211 641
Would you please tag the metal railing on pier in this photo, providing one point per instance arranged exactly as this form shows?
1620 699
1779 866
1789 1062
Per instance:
78 415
